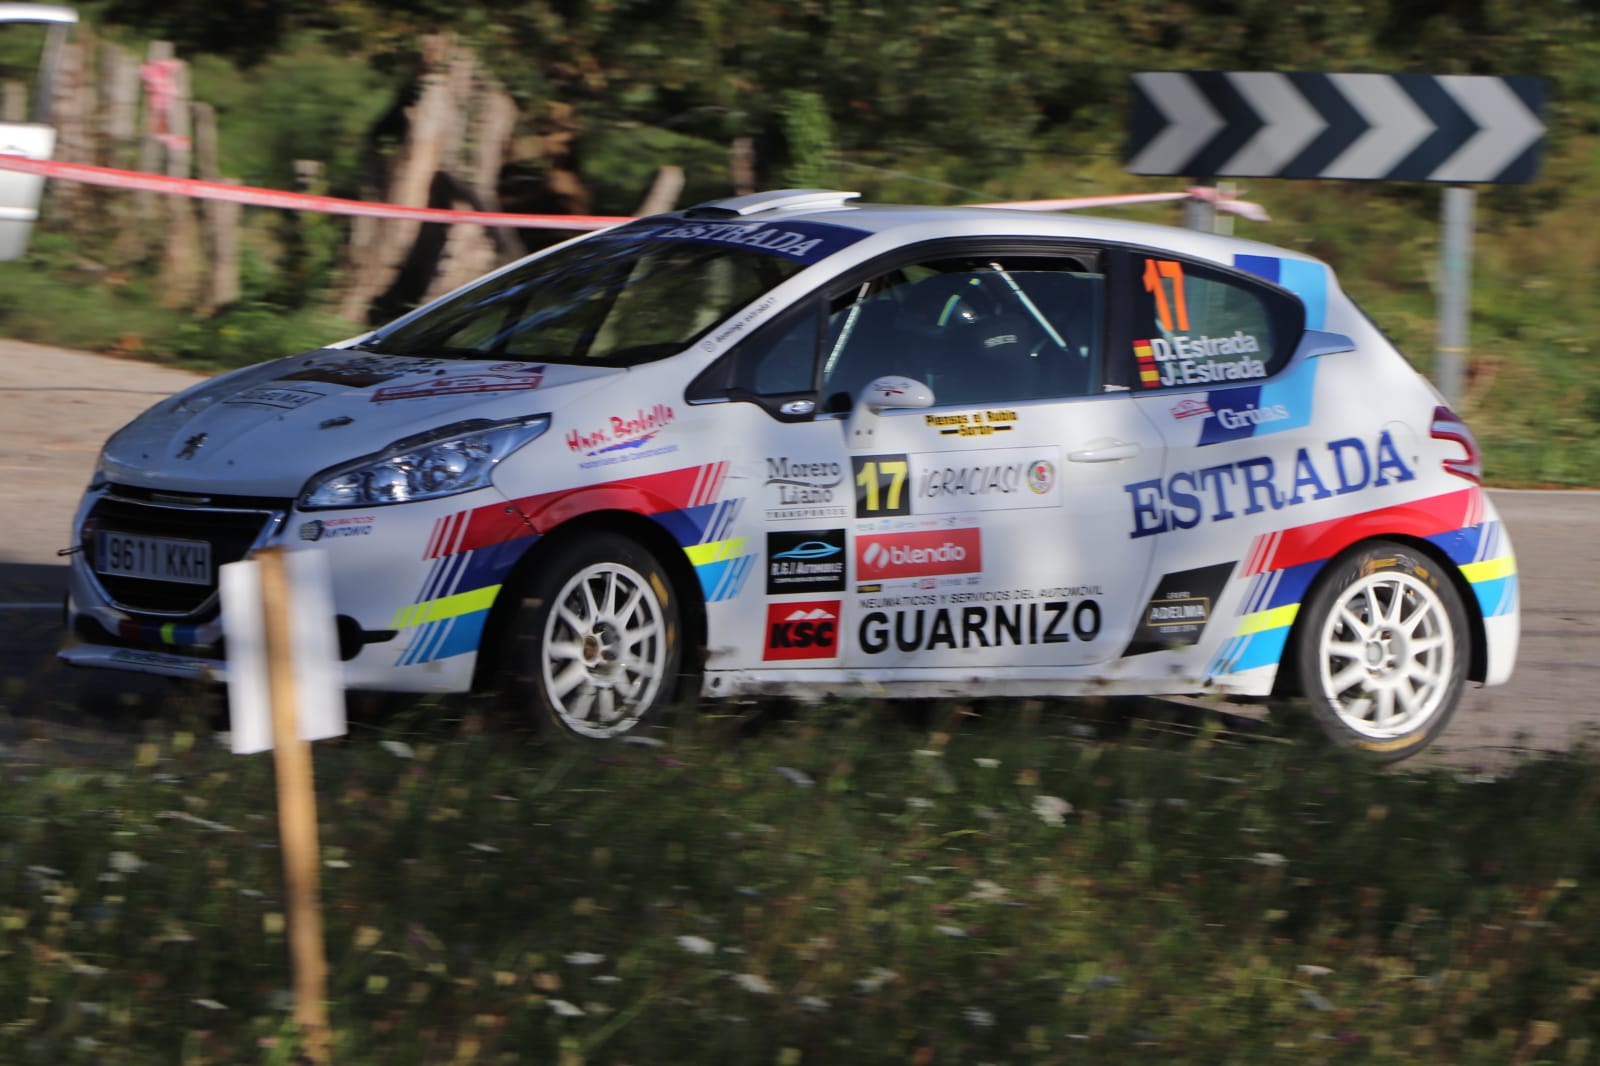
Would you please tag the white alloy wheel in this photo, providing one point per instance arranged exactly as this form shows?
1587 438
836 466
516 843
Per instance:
604 650
1383 651
593 650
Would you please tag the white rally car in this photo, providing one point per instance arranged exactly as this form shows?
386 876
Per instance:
788 443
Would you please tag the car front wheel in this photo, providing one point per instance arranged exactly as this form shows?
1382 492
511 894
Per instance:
594 648
1383 651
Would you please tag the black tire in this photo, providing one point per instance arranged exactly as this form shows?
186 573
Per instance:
594 646
1382 651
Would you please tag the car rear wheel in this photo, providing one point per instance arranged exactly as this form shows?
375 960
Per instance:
595 645
1382 652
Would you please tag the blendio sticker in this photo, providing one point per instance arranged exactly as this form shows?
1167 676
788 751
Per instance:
804 630
918 553
811 560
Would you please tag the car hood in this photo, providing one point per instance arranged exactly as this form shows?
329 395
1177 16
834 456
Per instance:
264 430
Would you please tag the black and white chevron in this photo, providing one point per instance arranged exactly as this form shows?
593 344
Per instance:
1375 127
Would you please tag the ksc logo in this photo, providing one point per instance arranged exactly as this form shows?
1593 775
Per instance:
807 630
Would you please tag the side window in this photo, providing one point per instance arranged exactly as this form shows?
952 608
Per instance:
974 329
1195 326
780 359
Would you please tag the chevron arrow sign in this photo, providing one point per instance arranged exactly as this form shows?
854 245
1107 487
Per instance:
1374 127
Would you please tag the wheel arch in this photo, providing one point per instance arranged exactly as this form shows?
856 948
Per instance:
641 530
1288 682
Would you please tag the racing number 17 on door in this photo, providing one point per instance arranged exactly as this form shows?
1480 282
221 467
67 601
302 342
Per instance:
1156 272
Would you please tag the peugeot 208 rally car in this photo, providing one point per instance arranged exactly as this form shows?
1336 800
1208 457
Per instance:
792 443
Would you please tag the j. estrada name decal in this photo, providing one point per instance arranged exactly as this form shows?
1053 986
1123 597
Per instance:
1185 499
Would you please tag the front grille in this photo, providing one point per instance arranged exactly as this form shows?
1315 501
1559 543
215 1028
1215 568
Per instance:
231 525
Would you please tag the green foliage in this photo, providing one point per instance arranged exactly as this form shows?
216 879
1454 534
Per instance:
308 102
620 161
903 100
839 889
253 332
808 135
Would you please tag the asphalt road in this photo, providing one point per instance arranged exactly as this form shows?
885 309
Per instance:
57 406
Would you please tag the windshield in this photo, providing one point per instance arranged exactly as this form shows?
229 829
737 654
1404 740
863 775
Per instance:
619 299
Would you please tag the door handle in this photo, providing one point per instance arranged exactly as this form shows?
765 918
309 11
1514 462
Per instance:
1105 451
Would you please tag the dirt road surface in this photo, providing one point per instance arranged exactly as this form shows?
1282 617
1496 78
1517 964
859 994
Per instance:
57 407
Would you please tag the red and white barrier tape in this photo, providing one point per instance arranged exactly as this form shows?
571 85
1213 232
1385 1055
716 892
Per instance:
332 205
291 201
1222 201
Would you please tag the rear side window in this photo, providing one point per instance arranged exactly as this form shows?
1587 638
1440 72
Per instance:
1195 326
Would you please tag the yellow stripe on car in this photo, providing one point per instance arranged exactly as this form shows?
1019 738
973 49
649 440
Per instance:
445 607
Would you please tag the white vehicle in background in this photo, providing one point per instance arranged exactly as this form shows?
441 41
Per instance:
34 138
790 443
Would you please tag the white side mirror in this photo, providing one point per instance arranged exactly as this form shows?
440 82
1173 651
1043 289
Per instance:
895 392
883 394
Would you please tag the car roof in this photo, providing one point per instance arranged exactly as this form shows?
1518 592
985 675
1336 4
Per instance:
910 224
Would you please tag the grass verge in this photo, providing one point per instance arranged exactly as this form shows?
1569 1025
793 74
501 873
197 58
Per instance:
842 889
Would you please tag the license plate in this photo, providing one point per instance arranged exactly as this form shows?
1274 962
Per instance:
187 562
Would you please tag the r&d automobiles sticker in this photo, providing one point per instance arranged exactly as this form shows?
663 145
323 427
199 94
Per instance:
808 560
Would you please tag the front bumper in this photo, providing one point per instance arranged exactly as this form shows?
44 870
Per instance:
397 593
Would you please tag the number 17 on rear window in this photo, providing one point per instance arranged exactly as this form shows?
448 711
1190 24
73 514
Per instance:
1157 274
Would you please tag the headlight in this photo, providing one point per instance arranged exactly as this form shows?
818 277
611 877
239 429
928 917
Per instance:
443 462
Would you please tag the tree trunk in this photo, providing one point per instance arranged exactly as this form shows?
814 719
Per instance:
182 262
375 262
221 218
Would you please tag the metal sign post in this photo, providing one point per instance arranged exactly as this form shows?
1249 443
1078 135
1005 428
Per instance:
1455 293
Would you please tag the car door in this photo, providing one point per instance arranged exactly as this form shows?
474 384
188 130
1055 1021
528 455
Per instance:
980 524
976 532
1211 366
